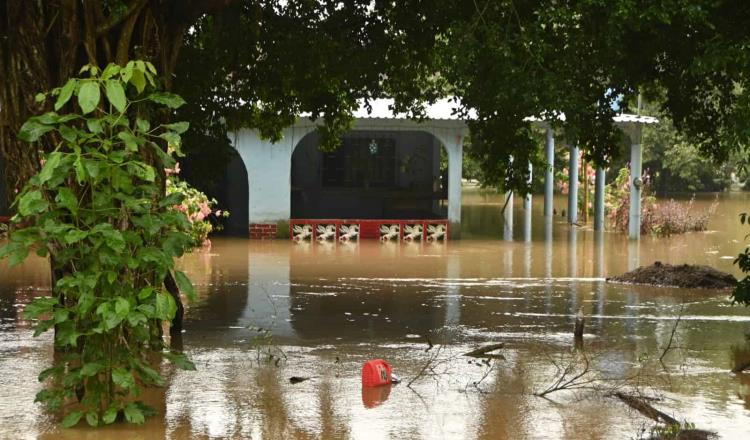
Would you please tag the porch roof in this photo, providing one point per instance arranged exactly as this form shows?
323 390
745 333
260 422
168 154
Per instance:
446 110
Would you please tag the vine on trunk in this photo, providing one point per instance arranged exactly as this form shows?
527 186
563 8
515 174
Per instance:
98 210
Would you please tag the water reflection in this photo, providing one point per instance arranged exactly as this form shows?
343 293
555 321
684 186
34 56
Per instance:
332 307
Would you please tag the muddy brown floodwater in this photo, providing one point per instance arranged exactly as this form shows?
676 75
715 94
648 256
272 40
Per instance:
332 307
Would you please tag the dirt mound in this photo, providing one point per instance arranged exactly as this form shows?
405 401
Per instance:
685 275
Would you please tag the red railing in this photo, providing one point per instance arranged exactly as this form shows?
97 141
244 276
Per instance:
382 229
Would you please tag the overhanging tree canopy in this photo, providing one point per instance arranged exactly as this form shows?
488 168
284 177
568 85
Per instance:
260 63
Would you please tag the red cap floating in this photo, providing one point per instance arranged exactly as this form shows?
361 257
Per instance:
375 373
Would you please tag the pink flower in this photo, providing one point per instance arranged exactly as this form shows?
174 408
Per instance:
175 170
205 209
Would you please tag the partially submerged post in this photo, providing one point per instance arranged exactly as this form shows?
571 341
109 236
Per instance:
527 211
549 174
599 199
573 184
578 329
636 182
508 217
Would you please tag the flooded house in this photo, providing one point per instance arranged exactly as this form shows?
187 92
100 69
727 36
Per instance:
392 178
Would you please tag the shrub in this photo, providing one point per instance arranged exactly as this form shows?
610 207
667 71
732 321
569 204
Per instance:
662 219
199 209
98 210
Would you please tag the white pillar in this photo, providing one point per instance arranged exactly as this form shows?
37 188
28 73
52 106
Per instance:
508 217
269 170
455 164
549 175
548 248
527 211
599 200
634 219
573 184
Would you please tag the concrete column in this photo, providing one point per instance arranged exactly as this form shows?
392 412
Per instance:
573 184
549 174
508 217
599 200
268 166
455 164
527 212
636 170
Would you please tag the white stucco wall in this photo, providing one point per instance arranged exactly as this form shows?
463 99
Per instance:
269 164
269 168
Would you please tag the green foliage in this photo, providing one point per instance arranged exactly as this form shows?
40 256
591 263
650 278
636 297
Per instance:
658 218
676 163
98 210
198 208
741 293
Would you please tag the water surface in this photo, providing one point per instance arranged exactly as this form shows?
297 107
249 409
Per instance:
332 307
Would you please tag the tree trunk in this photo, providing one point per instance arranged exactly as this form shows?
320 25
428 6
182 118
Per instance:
43 43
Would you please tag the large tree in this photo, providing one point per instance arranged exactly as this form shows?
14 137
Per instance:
252 63
260 63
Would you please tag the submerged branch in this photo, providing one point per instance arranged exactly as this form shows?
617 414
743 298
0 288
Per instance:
485 351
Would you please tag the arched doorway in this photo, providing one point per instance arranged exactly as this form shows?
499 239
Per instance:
374 174
224 178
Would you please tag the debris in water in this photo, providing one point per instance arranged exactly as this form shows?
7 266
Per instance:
376 372
298 379
685 275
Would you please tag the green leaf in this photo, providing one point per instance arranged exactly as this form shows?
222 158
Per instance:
68 133
122 307
91 369
92 418
88 96
85 302
39 306
183 282
131 142
165 306
178 127
50 165
172 138
48 372
94 125
40 97
169 99
72 419
145 293
32 203
134 414
142 171
61 315
75 235
32 130
111 70
110 415
179 360
123 378
80 171
138 80
116 95
65 93
143 125
136 318
66 199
